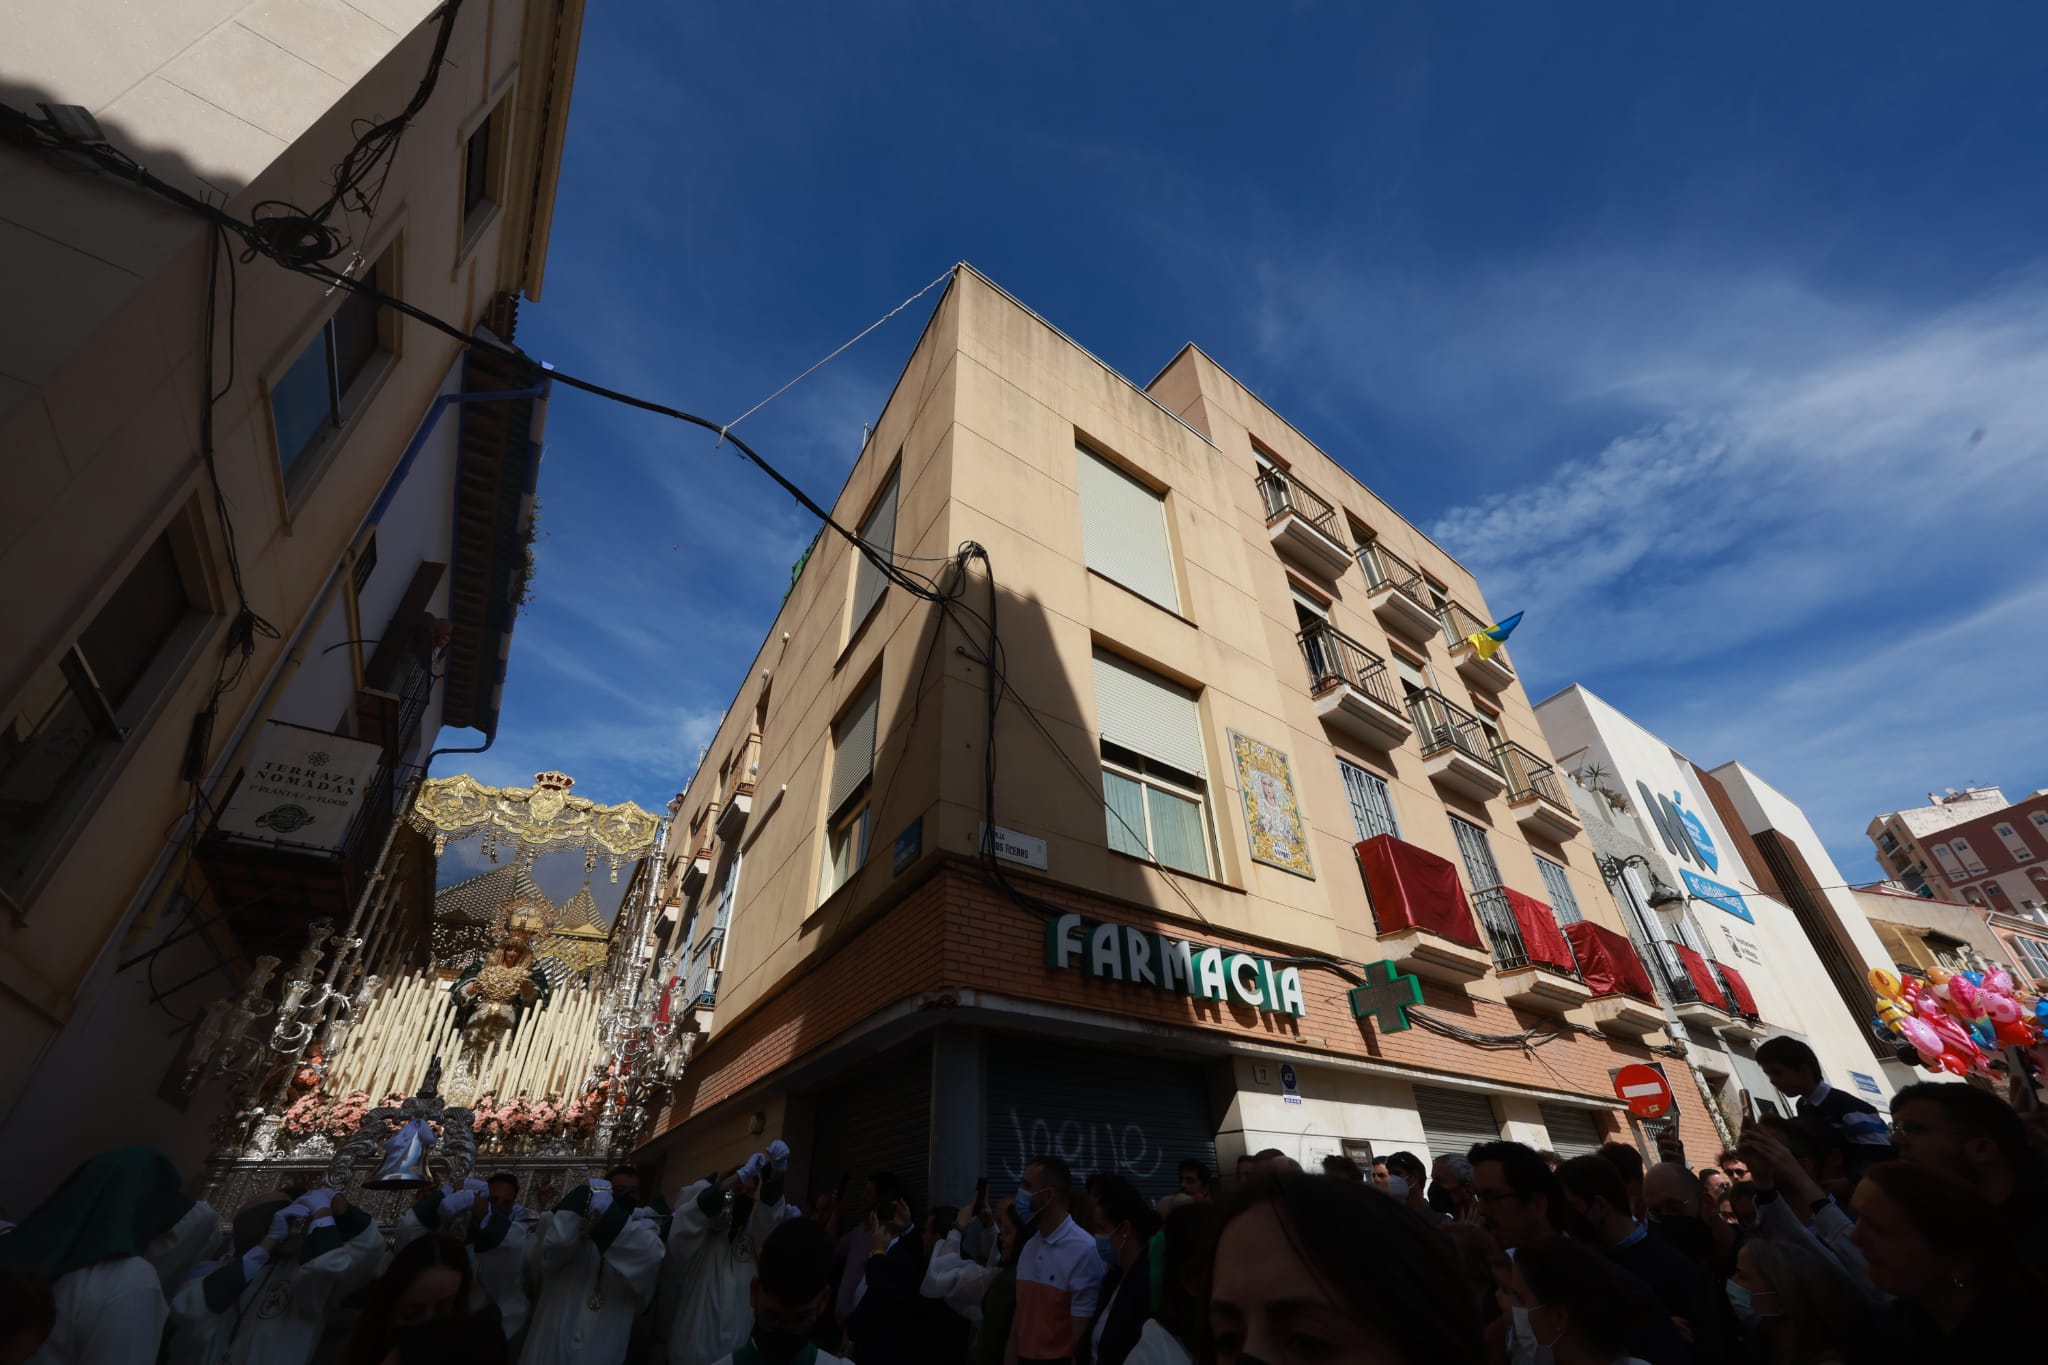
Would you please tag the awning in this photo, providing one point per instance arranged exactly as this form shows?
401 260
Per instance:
1608 961
1412 888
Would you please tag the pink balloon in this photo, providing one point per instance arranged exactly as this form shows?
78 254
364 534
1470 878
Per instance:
1922 1036
1998 979
1963 996
2000 1008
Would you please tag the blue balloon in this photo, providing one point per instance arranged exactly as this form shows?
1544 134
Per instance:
1974 978
1981 1031
2041 1010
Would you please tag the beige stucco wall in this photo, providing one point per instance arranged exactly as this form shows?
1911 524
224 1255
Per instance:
986 417
101 364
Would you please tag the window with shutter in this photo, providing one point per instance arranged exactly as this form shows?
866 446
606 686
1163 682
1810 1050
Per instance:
1154 774
879 532
847 807
1123 530
1560 888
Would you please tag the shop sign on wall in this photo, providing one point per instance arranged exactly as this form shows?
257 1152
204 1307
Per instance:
1713 893
302 787
1139 957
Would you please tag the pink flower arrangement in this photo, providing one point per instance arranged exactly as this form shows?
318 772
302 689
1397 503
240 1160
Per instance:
347 1114
308 1114
543 1118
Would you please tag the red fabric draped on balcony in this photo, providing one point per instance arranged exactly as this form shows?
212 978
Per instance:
1702 977
1413 888
1608 961
1542 940
1745 1003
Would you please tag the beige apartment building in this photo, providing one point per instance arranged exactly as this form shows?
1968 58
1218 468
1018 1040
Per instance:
374 504
1250 789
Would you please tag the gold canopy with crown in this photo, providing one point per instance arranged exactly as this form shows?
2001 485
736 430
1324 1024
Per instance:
543 818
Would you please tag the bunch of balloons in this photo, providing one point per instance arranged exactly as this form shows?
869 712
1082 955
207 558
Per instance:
1956 1021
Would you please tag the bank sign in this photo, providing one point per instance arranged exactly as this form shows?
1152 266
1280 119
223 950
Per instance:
1139 957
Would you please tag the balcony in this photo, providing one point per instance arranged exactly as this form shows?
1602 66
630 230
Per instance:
697 868
1537 969
1399 597
1536 794
1352 690
1623 999
1456 752
737 802
1488 675
1420 914
1695 996
1300 524
1743 1022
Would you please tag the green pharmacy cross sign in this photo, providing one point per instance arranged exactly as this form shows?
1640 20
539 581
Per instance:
1386 996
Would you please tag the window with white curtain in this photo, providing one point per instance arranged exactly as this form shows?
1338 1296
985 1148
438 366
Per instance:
1123 530
847 801
1154 769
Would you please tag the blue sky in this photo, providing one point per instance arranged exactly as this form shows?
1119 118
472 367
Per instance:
1715 341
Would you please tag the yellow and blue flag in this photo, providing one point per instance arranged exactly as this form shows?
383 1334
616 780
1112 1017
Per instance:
1486 643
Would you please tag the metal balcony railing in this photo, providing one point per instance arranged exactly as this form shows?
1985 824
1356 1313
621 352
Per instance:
1530 774
700 981
1384 569
1444 725
1334 657
1729 993
1509 952
1283 493
1459 623
1677 979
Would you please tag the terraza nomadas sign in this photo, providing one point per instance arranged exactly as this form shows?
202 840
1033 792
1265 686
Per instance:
1139 957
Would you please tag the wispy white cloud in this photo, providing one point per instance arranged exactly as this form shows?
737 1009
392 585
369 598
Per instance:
1786 527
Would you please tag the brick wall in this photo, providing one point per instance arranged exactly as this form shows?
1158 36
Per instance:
956 932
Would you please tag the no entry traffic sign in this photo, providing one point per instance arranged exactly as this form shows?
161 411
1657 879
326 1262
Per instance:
1644 1090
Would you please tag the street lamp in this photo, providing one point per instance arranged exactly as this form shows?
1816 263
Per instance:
1663 895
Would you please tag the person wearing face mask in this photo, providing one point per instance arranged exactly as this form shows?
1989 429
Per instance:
1059 1270
600 1253
1309 1270
1126 1225
1404 1186
112 1242
1593 1189
1794 1305
1682 1214
789 1297
479 1218
295 1262
1571 1307
420 1310
714 1247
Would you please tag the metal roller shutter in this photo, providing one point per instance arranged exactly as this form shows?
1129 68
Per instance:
1148 714
1100 1110
853 747
1572 1131
1455 1121
882 1122
1123 530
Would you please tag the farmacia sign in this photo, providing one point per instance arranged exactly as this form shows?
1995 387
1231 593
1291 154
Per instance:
1139 957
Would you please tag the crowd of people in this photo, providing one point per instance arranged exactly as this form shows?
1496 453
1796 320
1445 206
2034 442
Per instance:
1807 1241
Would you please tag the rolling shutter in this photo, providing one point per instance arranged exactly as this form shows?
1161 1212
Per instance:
1455 1121
1102 1111
879 531
853 747
881 1122
1572 1131
1123 530
1148 714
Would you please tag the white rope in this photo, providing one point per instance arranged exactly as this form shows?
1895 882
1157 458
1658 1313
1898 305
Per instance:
950 272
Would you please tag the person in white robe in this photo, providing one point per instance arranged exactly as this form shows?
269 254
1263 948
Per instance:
93 1241
599 1260
497 1244
713 1248
791 1292
270 1303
